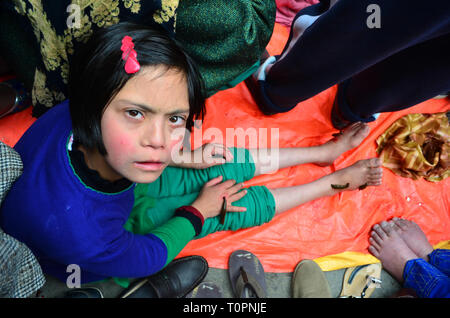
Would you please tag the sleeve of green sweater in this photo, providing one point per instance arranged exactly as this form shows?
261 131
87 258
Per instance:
175 234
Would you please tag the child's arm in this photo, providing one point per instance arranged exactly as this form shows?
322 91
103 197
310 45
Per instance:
126 254
207 155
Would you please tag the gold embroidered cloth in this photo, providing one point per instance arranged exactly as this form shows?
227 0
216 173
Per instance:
417 146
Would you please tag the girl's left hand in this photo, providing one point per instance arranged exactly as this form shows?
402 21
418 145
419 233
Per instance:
208 155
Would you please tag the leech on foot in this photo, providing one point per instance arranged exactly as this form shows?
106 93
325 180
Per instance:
362 187
336 136
340 186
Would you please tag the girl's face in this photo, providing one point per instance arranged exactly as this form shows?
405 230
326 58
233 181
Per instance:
138 124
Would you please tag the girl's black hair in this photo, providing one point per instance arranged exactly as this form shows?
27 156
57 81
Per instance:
97 74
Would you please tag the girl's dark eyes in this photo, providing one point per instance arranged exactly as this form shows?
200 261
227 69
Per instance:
177 120
133 113
136 114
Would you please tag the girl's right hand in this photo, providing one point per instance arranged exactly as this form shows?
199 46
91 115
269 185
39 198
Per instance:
209 201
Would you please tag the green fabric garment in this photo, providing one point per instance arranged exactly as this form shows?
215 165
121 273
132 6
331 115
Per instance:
225 38
175 232
167 198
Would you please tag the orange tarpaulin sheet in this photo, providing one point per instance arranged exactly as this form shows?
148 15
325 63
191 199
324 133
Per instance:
338 225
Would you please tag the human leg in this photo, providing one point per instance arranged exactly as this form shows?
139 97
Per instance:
269 160
363 173
388 246
426 280
340 44
400 81
440 258
155 203
417 241
414 237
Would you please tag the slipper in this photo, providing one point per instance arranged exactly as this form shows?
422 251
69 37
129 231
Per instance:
247 275
361 281
205 290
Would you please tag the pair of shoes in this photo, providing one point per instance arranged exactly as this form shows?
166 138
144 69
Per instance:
87 292
247 275
13 97
176 280
309 281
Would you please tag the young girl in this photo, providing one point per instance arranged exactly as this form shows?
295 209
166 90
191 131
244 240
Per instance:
130 89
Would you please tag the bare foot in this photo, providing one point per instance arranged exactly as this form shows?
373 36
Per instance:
387 245
367 172
349 138
413 236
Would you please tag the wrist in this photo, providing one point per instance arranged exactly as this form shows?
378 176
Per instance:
199 208
193 215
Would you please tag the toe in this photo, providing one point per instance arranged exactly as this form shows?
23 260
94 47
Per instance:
374 243
362 130
374 251
376 182
387 227
400 223
374 163
394 226
380 233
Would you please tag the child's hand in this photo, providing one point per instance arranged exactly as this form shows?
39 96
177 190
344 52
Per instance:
209 201
213 154
206 156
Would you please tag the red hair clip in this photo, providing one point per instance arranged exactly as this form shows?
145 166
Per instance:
129 55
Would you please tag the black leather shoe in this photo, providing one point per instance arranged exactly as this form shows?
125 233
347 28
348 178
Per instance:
176 280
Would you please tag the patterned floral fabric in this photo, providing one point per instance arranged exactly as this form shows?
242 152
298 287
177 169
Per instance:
416 146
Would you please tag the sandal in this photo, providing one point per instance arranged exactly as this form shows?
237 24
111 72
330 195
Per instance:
205 290
247 275
361 281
